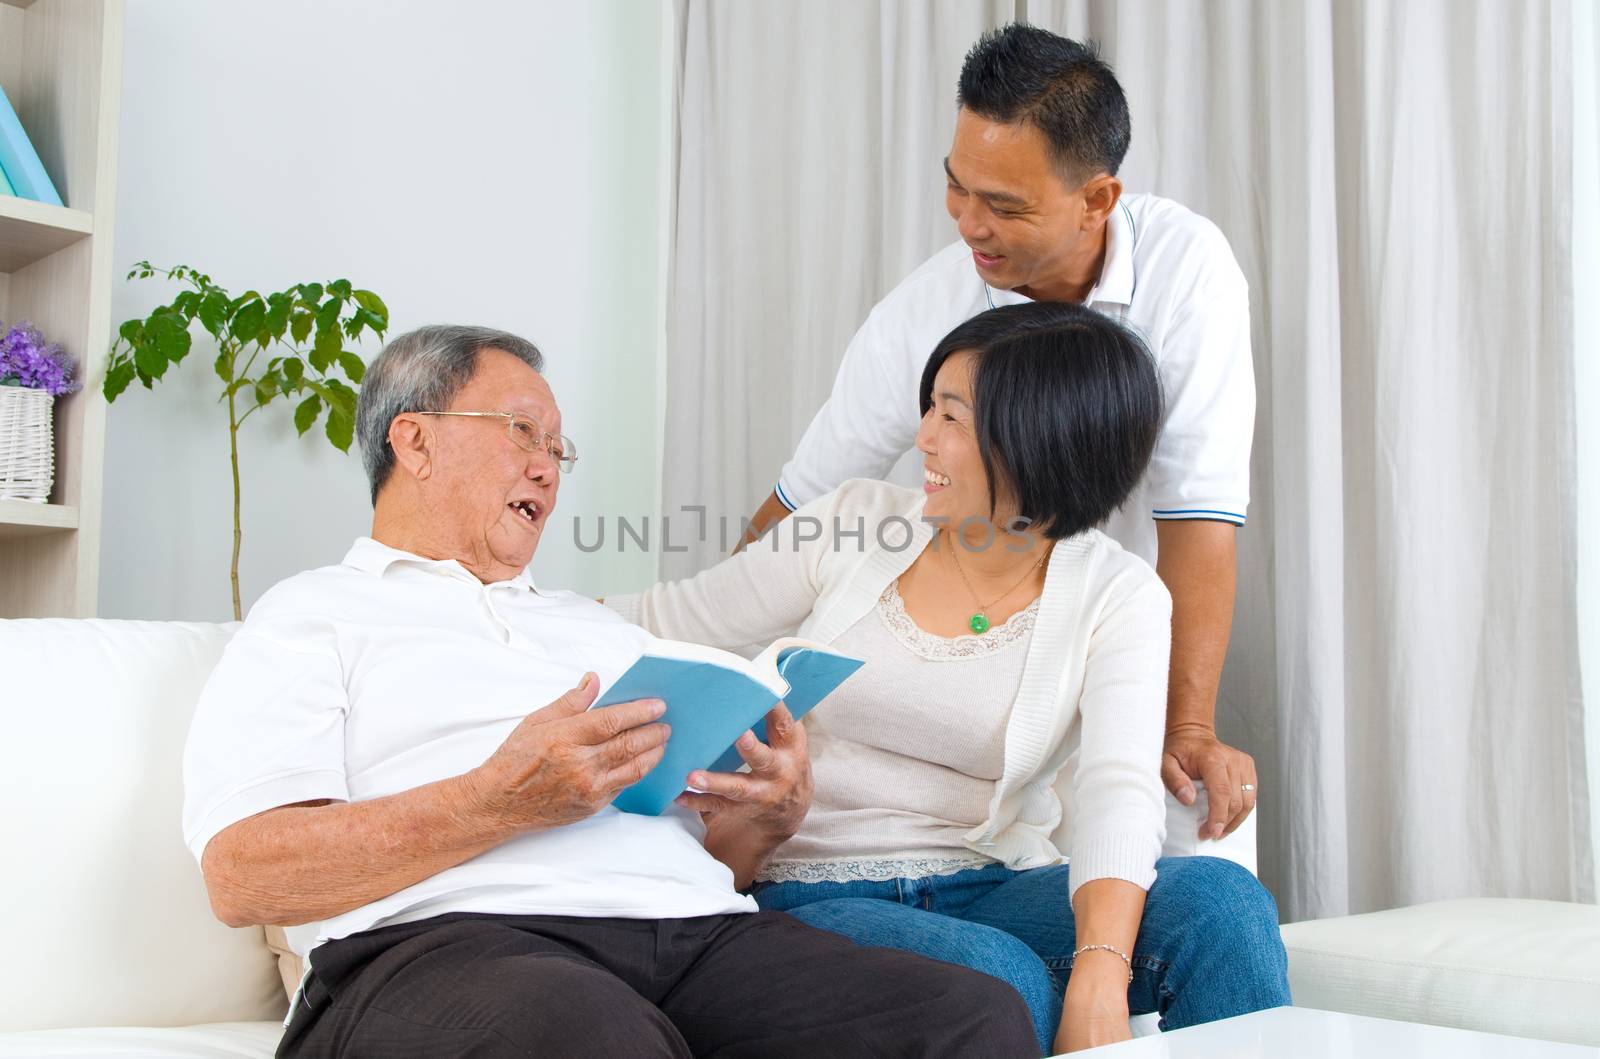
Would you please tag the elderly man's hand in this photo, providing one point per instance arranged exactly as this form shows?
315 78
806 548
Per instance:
750 814
564 763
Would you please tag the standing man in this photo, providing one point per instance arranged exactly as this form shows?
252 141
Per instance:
1042 129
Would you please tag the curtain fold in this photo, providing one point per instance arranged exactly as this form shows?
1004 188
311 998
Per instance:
1396 183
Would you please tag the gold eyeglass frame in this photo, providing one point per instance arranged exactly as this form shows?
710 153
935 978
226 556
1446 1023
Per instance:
566 456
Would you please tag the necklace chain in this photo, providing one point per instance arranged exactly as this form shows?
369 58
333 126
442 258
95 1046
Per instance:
979 622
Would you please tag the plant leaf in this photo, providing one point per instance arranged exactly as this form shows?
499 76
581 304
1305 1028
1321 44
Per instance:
341 428
148 361
328 317
187 303
374 305
311 292
306 413
131 330
214 312
224 365
300 326
352 366
277 320
325 349
341 288
118 376
169 333
246 326
293 370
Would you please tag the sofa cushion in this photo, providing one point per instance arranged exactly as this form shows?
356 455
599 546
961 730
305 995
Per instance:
227 1040
1524 968
107 921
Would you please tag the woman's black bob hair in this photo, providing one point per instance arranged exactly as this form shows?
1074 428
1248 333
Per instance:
1067 409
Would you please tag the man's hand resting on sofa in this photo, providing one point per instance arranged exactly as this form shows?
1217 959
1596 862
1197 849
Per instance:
299 863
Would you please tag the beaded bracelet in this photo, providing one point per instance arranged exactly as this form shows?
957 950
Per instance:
1104 948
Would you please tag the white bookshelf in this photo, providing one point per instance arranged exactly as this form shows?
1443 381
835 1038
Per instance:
61 67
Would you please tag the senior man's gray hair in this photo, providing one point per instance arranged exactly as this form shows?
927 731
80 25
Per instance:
422 371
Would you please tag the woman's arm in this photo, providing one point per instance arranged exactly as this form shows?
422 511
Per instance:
1119 804
1095 1010
762 592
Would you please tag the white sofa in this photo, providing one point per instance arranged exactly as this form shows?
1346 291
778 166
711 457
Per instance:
114 949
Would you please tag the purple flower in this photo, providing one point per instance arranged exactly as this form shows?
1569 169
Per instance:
27 360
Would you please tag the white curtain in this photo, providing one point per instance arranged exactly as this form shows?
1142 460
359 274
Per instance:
1395 180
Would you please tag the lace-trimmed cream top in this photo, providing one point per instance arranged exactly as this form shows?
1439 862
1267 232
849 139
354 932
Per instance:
907 754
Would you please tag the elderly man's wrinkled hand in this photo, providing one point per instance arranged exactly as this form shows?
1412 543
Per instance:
768 802
565 762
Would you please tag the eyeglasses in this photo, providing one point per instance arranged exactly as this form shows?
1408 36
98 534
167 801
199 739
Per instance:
528 435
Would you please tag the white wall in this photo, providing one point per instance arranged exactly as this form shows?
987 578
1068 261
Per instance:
499 163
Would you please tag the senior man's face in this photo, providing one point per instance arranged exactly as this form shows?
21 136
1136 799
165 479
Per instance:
496 495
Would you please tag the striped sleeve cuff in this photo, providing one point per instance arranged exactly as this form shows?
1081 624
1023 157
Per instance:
1131 858
783 495
1211 514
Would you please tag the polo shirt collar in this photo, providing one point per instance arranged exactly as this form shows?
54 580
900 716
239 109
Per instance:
373 557
1116 272
1116 283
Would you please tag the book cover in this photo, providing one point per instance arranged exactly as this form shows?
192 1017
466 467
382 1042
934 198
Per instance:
20 161
712 698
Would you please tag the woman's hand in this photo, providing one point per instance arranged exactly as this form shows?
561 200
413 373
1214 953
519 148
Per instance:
750 814
1095 1010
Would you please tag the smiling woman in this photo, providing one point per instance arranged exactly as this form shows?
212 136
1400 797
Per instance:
1008 722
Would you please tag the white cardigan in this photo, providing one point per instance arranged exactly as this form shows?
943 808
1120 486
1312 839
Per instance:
1083 745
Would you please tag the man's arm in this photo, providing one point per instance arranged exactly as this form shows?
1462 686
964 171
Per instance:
310 861
1197 561
771 512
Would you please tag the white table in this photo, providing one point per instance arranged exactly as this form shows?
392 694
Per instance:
1305 1033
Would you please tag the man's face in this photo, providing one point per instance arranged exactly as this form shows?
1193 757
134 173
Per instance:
1009 201
495 496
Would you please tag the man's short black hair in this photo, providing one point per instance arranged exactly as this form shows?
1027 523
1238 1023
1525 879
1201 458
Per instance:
1067 407
1059 86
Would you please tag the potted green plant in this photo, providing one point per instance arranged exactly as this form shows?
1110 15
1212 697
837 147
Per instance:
304 333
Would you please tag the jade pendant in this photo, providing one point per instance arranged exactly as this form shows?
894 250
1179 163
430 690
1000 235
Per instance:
979 624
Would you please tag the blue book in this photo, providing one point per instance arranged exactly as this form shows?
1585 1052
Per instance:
713 697
20 161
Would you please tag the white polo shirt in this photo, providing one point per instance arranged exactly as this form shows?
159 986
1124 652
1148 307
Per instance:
388 672
1168 274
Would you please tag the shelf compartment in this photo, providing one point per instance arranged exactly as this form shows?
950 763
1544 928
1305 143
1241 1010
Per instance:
31 231
20 518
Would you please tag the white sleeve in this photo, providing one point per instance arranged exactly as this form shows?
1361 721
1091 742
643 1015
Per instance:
1201 465
269 727
869 420
763 592
1119 804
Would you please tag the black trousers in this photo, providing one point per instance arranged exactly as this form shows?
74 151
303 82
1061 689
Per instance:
761 984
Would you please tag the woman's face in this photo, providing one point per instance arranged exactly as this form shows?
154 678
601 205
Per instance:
952 469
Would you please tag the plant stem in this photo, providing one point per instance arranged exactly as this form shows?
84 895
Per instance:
233 455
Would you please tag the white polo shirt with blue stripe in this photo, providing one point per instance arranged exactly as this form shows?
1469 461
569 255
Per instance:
1169 274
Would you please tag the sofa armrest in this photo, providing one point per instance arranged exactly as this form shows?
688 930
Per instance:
1183 833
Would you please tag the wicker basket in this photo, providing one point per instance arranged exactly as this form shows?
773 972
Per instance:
27 444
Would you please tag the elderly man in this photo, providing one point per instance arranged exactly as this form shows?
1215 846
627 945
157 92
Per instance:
364 768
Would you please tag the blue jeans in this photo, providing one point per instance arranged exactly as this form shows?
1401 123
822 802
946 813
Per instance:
1208 945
